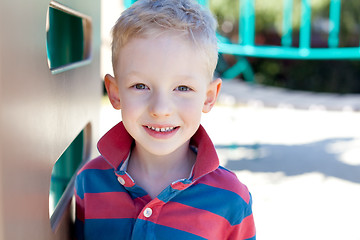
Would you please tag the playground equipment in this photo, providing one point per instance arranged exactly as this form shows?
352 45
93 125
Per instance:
246 46
50 92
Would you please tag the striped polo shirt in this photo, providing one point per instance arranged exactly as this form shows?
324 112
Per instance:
211 204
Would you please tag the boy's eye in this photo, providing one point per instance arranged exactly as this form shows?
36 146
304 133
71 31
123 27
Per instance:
183 88
140 86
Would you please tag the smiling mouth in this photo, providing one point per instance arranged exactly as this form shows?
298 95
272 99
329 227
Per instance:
164 130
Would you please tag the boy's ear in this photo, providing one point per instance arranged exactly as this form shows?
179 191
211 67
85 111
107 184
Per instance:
212 94
112 90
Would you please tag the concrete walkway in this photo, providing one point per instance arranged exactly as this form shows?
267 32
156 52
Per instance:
300 161
302 166
252 94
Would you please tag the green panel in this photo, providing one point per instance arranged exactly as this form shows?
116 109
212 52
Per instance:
65 39
64 169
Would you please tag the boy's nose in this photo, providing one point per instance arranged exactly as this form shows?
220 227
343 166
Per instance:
160 106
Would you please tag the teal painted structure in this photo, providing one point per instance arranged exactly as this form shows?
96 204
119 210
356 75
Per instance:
246 46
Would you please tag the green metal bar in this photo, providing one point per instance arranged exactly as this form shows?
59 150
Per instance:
247 22
305 25
286 39
334 23
280 52
242 66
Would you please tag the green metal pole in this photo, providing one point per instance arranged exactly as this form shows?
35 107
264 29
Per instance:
286 39
305 26
334 25
247 22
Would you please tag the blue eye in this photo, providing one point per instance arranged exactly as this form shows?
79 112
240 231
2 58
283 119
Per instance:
140 86
183 88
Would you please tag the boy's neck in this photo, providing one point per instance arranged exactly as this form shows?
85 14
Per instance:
154 173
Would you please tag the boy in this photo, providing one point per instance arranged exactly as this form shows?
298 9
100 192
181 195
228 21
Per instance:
158 176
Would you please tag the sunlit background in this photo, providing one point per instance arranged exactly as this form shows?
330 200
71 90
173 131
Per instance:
297 147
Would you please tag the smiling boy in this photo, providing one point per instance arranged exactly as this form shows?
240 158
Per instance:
158 176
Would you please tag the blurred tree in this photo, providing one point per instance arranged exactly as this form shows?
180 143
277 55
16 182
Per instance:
227 14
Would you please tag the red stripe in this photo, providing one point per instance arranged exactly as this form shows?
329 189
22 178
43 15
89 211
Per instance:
193 220
155 205
244 230
107 205
229 182
98 163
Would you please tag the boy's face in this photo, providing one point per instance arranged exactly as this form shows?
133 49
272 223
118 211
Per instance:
162 88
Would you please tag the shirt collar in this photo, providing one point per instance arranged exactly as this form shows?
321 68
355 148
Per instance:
115 147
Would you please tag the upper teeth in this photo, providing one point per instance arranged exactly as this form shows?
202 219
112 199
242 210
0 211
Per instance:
167 129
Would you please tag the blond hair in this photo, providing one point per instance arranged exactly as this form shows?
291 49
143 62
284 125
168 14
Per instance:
150 18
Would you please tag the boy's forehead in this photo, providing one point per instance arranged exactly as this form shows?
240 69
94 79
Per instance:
171 43
157 34
162 42
166 53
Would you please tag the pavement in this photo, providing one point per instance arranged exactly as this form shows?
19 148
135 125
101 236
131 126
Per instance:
253 94
298 153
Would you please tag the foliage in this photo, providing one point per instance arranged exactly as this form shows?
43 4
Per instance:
317 76
225 10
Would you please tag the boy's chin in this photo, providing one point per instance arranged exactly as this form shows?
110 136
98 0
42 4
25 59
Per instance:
162 151
165 149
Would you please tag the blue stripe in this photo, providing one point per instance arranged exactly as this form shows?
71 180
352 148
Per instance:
167 194
136 192
100 181
223 168
79 229
105 229
97 181
215 200
148 230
